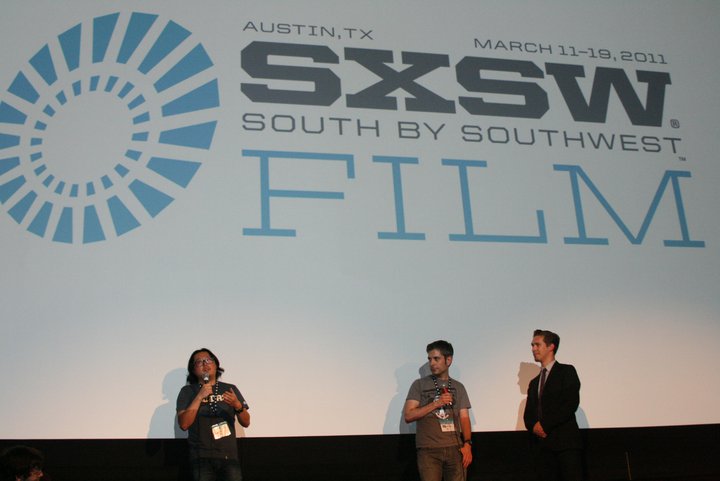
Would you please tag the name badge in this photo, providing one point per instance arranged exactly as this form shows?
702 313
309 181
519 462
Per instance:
220 430
447 425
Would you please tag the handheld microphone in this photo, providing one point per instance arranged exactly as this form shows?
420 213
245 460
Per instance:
445 390
206 378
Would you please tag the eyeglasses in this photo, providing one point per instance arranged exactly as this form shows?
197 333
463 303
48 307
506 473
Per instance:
202 362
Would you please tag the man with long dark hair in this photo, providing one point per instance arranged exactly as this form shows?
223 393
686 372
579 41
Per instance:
207 409
21 463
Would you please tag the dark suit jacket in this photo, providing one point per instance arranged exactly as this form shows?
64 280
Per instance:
561 398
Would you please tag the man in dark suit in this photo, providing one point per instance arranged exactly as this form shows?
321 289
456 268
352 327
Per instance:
553 398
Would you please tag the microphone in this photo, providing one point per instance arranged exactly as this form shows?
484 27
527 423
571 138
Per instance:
445 391
206 378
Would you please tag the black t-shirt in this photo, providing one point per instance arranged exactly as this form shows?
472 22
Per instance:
213 411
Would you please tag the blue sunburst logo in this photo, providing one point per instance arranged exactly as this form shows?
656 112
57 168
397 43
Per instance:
105 126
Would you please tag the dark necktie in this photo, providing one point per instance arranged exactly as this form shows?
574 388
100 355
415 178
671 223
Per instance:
543 375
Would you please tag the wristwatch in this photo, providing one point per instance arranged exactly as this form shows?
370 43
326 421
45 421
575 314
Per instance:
468 441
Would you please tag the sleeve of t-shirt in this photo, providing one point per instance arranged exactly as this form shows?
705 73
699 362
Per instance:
185 397
240 397
463 401
415 392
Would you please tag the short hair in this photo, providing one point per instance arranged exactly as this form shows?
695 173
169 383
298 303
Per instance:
19 462
191 377
549 337
444 347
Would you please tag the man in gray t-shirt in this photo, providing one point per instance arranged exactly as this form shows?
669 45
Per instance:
439 405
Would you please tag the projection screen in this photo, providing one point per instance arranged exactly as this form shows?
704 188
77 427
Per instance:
316 190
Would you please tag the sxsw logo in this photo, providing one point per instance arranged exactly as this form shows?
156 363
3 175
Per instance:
530 99
104 126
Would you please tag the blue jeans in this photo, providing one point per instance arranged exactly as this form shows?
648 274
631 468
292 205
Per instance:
436 464
210 469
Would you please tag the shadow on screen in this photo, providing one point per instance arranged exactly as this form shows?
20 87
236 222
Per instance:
394 422
526 372
164 420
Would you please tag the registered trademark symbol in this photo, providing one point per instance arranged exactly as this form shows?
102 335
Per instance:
675 123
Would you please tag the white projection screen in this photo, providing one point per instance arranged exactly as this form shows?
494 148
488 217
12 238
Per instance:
315 190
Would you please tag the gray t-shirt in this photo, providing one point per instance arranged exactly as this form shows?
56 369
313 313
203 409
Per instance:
441 428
